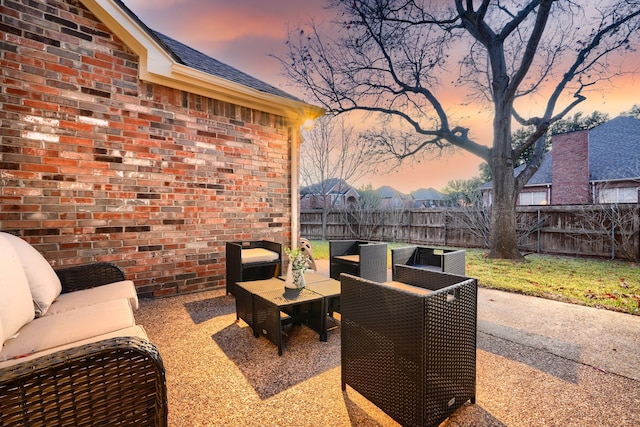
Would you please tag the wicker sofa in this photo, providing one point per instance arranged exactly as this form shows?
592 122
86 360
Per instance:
359 258
71 352
446 260
409 346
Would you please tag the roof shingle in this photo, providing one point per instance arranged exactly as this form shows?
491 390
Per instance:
202 62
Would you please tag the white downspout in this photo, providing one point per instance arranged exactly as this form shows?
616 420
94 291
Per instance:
295 185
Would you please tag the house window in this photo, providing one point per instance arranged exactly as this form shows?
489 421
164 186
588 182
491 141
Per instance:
533 198
618 195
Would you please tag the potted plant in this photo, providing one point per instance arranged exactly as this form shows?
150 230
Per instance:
298 264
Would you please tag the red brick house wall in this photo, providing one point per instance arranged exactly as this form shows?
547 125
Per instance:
96 165
570 169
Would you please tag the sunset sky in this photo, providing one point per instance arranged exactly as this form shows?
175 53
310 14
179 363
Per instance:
242 33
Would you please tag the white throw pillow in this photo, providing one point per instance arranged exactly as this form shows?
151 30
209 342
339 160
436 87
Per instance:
16 306
43 281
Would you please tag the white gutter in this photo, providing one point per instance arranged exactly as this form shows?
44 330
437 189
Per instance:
296 140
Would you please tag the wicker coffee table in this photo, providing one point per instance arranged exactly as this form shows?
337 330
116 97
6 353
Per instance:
274 308
266 305
330 290
244 293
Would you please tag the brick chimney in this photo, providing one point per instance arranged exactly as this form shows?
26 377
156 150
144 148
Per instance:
570 168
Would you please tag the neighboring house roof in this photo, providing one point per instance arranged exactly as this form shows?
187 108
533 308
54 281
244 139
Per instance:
427 194
170 63
541 177
614 150
387 192
426 197
328 186
614 154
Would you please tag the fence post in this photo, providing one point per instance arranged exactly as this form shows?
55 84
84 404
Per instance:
538 233
613 232
636 223
382 227
444 225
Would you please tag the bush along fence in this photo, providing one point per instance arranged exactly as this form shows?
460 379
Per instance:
603 231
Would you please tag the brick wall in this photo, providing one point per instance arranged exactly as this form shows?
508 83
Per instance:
96 165
570 169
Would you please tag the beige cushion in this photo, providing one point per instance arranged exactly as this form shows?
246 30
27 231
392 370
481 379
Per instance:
44 283
16 306
349 258
408 288
258 255
131 331
68 327
78 299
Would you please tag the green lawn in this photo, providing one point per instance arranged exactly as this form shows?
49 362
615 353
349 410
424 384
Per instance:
613 285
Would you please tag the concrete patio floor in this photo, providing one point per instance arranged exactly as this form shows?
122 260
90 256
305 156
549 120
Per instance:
539 363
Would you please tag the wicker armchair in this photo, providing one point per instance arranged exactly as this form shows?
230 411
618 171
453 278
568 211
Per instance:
116 381
410 347
359 258
239 271
445 260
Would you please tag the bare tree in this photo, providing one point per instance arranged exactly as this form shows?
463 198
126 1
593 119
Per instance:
364 218
474 217
614 219
614 224
399 58
394 220
329 157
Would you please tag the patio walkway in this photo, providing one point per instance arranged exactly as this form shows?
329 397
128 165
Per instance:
539 363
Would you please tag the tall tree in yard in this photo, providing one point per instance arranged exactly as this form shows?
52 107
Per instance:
529 62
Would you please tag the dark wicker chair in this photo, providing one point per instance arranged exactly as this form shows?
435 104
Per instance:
237 271
118 381
359 258
445 260
410 348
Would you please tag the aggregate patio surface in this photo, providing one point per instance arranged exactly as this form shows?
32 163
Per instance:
539 363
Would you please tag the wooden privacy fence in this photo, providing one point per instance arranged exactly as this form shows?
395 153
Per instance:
604 231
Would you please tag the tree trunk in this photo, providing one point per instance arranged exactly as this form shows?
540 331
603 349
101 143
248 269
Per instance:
504 240
324 223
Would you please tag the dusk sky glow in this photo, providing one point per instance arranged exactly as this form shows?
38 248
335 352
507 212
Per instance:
243 33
